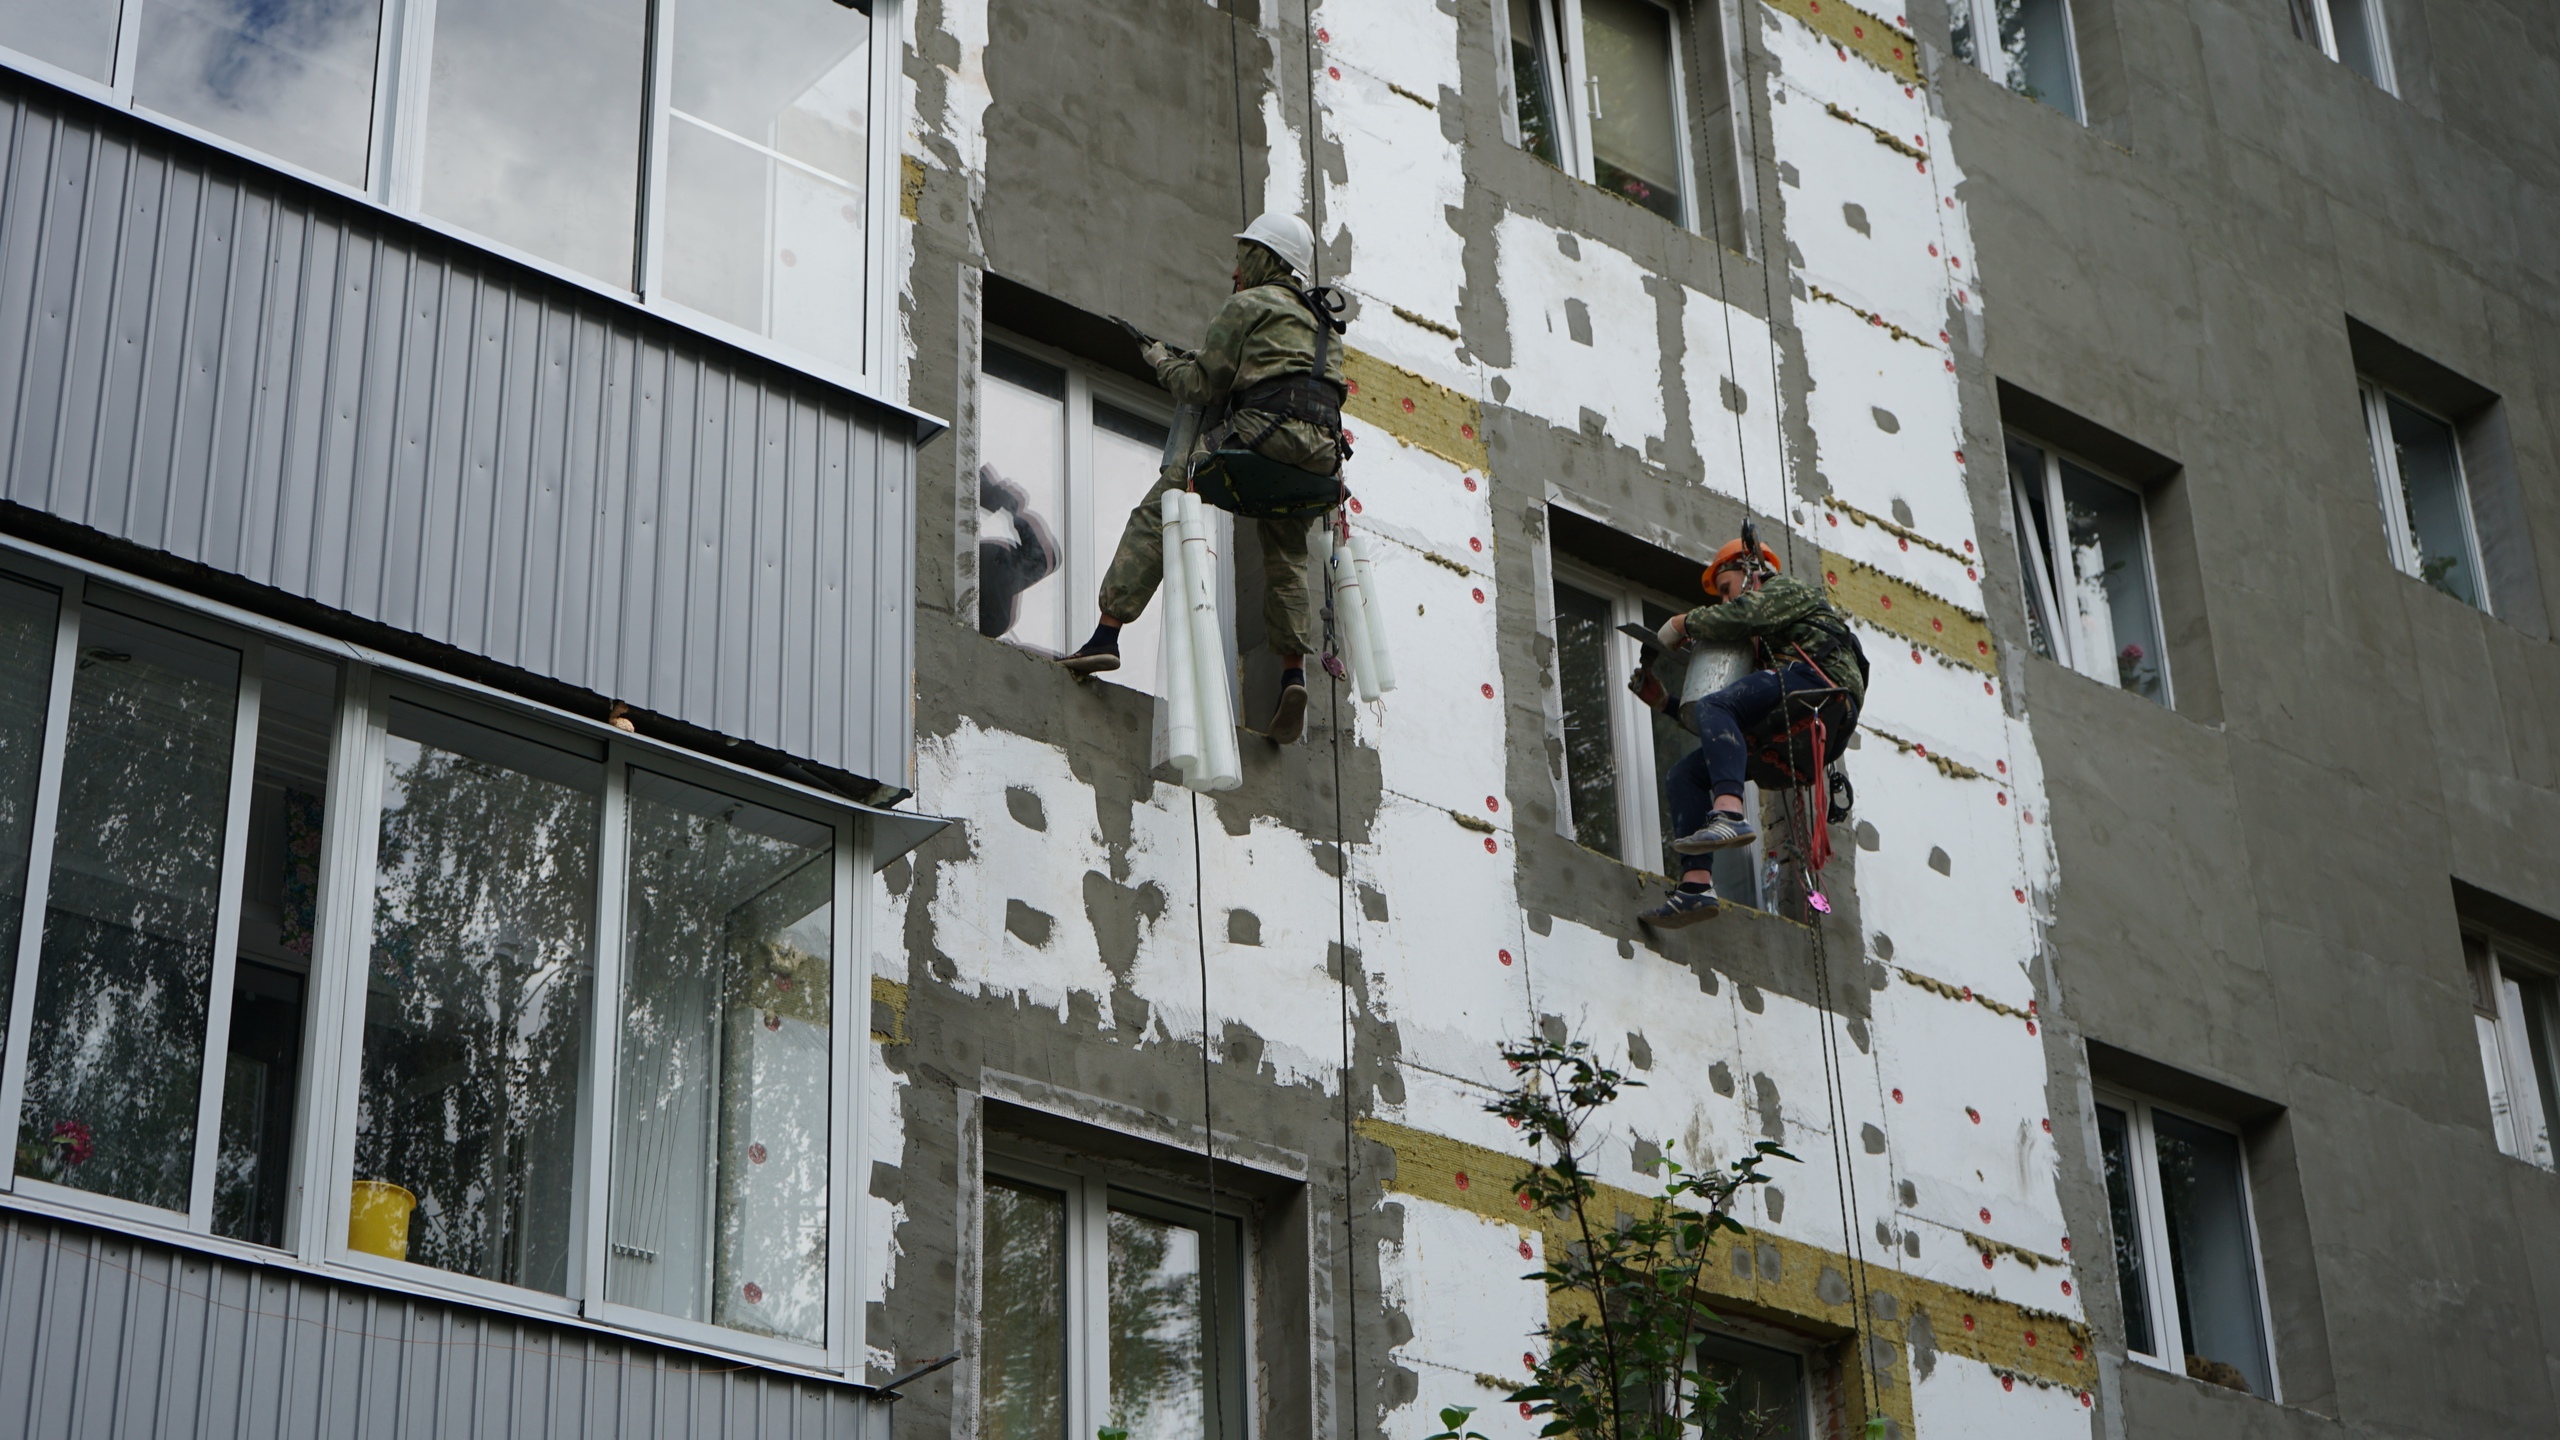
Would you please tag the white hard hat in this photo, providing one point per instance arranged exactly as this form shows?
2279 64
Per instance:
1286 236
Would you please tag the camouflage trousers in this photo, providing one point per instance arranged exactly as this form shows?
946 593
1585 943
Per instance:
1137 568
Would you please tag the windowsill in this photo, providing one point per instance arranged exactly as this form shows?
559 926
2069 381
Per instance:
242 1252
662 312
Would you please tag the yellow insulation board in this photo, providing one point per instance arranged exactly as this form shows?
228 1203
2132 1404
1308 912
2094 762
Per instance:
1925 620
1877 41
1421 413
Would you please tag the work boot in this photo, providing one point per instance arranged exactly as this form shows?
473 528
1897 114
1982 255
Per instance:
1100 653
1290 720
1688 904
1723 831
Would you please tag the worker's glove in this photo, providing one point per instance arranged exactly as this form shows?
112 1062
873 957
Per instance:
1647 687
1157 354
1674 633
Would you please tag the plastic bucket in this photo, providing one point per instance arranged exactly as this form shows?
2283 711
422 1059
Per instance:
378 1219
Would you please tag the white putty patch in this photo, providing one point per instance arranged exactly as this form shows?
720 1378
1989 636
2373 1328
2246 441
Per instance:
1584 332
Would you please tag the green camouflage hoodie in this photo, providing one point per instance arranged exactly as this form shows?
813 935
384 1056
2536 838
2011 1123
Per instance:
1261 331
1783 611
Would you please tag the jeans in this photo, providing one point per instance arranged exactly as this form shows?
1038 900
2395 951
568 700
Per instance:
1722 718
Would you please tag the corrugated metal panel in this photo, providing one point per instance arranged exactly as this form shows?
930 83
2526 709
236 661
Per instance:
202 359
106 1336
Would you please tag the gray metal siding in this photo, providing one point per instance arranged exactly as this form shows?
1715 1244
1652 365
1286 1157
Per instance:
104 1336
200 358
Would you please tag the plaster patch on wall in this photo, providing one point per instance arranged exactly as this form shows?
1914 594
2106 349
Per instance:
1619 374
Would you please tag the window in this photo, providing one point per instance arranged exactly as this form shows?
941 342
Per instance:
1616 751
2186 1245
1107 1303
2026 45
1066 453
2349 32
358 969
2091 601
1597 90
715 157
2426 502
2512 1002
1765 1395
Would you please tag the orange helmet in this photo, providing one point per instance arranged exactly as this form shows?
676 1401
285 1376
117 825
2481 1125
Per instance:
1731 552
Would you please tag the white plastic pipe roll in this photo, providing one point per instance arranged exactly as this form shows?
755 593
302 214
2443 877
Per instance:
1221 766
1374 606
1181 676
1351 611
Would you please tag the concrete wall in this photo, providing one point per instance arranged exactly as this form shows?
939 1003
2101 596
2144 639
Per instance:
2267 902
2178 274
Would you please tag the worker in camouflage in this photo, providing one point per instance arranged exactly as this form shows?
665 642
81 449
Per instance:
1801 642
1261 340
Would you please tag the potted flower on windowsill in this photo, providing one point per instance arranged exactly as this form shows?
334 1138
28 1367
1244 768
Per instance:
46 1159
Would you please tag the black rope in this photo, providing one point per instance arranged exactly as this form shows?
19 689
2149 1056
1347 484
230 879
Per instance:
1215 1361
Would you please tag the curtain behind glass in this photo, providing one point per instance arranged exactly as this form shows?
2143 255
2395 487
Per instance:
719 1203
768 170
117 1048
2111 565
293 78
1590 749
78 35
477 1000
28 615
2202 1199
1635 126
1022 500
1022 1337
533 127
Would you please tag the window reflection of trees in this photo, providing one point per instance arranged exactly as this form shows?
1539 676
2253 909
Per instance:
477 1008
118 1035
1023 1328
27 631
719 1210
1156 1381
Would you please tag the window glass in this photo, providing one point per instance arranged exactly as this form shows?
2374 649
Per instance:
2110 577
293 78
1022 499
78 35
719 1203
477 999
1158 1387
2359 37
533 127
116 1054
1532 80
1673 743
2133 1281
28 615
1583 627
279 908
2493 1056
767 170
2431 487
1022 1342
2205 1208
1763 1388
1635 125
2035 42
1128 458
2524 1007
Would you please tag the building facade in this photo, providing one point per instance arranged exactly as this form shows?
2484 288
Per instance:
494 623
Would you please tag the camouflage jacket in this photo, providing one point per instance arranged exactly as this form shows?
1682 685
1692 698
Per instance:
1785 612
1261 331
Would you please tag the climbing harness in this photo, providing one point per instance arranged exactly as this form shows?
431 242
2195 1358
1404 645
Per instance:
1236 476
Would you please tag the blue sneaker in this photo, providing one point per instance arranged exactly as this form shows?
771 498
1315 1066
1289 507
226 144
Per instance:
1684 907
1721 832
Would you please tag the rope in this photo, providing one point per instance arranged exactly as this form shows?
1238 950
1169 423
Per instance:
1807 819
1214 1361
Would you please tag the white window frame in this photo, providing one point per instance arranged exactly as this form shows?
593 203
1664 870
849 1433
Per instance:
1089 1187
395 169
2514 1078
1571 80
315 1231
1993 61
1083 524
2040 564
2385 74
2151 1217
2390 492
1640 837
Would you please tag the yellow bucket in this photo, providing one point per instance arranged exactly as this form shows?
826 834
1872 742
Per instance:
378 1219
